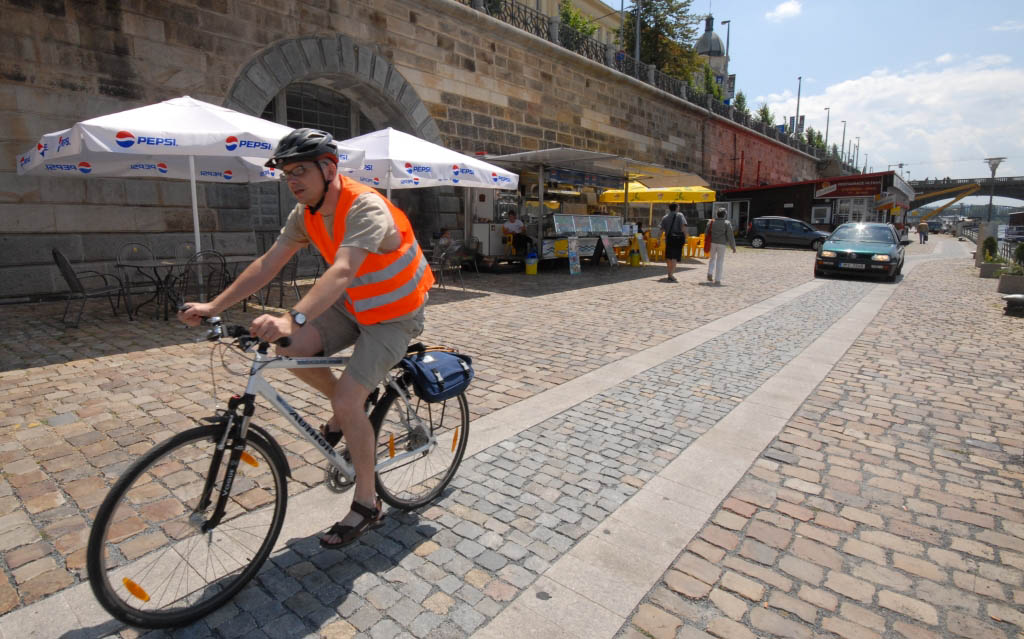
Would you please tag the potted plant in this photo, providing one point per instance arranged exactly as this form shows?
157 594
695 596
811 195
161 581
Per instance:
992 262
1011 278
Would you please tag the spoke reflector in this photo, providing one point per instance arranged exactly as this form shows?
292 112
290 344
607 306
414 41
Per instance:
391 445
136 589
455 438
249 459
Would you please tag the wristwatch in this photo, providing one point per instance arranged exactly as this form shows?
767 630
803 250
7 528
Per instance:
298 318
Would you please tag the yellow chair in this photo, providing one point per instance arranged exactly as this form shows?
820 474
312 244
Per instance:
690 248
510 247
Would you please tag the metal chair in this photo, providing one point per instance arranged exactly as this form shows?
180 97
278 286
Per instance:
136 279
203 278
113 292
444 263
285 278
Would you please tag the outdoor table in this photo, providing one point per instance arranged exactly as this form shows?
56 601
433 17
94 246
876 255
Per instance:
162 271
163 275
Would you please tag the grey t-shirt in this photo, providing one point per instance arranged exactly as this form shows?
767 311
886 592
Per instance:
673 222
367 225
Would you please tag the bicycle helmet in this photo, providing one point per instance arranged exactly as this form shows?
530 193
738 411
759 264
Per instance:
304 145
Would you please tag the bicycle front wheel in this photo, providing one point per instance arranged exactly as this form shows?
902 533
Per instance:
150 563
403 427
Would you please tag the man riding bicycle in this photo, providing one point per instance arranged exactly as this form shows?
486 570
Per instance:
372 296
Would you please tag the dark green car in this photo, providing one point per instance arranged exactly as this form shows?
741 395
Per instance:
862 248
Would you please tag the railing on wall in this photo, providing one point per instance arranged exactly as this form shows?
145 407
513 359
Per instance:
551 29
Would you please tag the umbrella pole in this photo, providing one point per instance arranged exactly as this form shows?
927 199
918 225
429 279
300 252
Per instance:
195 221
389 180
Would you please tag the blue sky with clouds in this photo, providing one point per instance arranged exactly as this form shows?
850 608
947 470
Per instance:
935 84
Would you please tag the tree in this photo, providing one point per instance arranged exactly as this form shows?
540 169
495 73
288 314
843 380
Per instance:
765 115
710 86
574 18
835 150
667 34
740 104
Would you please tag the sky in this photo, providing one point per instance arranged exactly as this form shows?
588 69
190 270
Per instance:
935 84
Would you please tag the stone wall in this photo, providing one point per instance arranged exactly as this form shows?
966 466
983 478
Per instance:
436 68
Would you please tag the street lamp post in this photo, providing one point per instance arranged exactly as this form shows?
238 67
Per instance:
856 153
993 163
828 114
636 38
796 122
728 28
842 145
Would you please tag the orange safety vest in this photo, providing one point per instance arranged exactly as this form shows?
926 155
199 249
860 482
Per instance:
387 286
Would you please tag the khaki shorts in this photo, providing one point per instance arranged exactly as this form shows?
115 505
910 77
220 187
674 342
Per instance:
378 347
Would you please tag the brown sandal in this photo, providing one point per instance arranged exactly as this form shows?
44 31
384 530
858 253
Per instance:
372 518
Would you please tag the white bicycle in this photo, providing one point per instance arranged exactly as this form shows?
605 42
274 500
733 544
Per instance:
191 522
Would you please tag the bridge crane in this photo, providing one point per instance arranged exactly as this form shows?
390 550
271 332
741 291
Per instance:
962 191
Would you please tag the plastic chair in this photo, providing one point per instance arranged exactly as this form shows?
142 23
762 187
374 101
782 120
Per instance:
113 292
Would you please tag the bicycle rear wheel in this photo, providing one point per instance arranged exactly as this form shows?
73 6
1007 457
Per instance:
402 426
150 564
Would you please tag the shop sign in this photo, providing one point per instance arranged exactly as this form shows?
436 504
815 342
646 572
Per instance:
851 188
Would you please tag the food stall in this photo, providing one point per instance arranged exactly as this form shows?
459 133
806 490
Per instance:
570 183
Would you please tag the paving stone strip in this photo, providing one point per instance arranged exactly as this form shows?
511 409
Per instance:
891 505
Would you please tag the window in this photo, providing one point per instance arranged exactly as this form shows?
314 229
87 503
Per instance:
819 214
317 107
778 226
794 226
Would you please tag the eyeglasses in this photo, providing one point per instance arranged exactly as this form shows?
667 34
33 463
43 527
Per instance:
297 172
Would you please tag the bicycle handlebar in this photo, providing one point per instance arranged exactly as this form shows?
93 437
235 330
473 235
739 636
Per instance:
235 331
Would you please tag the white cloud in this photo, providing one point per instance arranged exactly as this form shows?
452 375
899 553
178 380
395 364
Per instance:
785 10
945 58
1009 25
940 123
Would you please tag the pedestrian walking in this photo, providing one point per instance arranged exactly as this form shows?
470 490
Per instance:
720 235
673 225
922 232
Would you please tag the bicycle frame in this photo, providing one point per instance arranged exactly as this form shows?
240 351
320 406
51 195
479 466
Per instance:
258 385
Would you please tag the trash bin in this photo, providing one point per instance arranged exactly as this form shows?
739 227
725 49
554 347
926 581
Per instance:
531 263
634 258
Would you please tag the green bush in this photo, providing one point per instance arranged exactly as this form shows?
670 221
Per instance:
1018 254
990 248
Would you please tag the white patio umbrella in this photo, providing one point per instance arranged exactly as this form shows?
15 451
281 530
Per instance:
396 160
181 138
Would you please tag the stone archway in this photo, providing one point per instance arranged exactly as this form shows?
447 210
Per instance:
367 80
335 61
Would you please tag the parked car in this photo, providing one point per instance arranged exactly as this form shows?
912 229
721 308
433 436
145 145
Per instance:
784 231
868 248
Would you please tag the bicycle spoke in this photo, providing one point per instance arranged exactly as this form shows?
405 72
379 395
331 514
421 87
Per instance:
150 533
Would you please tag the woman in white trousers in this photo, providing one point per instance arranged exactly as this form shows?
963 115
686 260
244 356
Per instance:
720 235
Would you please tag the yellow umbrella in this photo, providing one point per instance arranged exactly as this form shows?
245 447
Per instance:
640 193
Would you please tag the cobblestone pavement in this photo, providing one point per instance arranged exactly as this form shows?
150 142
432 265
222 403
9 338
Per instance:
78 405
926 406
891 505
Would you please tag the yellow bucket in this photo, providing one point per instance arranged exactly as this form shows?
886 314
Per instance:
531 266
